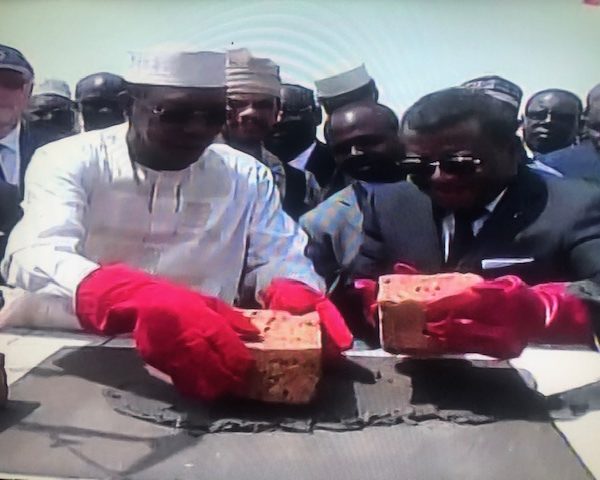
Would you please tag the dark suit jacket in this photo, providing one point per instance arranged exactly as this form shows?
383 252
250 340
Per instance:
11 195
321 164
552 225
295 192
10 212
576 161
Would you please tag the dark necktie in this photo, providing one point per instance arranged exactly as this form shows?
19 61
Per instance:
463 237
3 149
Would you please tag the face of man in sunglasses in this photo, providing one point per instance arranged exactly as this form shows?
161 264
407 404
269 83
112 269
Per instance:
170 127
458 166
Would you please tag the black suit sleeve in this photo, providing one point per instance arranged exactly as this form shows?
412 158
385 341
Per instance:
582 240
583 245
373 258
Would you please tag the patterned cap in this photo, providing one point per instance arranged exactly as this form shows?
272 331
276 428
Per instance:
248 74
497 87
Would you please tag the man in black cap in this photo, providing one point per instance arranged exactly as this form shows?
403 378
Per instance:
51 113
581 160
99 96
552 120
293 137
17 142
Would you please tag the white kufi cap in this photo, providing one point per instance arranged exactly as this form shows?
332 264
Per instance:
343 82
177 67
248 74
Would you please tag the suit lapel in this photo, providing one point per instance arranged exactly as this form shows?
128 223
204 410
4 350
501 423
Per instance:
521 205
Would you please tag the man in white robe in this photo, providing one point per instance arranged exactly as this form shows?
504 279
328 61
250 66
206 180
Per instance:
150 227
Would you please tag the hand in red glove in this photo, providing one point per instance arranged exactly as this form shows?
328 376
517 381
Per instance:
191 337
298 298
496 318
500 317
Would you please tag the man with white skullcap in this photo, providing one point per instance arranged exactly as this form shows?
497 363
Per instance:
350 86
253 106
253 87
149 227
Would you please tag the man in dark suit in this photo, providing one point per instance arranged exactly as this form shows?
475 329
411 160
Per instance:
552 120
294 136
17 141
494 217
581 160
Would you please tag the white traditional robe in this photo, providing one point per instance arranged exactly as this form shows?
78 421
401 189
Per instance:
216 226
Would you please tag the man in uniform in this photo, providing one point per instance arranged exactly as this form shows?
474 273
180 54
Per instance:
99 97
150 227
51 113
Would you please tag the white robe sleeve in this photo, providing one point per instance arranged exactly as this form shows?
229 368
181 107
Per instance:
276 244
42 255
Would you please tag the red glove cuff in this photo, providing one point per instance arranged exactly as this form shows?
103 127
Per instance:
567 317
101 290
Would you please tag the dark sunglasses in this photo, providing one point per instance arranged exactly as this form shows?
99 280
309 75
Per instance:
452 164
178 116
557 116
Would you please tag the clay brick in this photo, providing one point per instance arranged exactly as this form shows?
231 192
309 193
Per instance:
288 359
401 300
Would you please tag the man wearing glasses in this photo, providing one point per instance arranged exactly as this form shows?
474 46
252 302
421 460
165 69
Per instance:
149 227
552 121
494 217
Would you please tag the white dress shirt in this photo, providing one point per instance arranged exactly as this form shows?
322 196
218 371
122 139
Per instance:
448 223
216 226
10 156
301 160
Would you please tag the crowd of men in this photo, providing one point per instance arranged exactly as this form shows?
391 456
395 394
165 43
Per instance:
198 183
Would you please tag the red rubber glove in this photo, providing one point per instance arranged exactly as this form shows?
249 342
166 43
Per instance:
500 317
567 317
191 337
298 298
